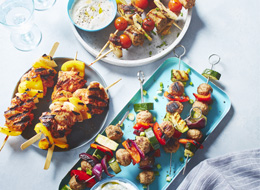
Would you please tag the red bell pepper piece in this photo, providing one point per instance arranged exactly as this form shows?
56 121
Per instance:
104 149
176 98
138 126
133 152
184 141
82 177
203 98
158 134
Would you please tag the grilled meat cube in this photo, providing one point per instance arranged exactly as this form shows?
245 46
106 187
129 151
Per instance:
128 11
135 35
115 45
69 81
167 28
159 19
187 4
167 12
57 94
138 23
22 102
17 120
95 97
49 121
47 75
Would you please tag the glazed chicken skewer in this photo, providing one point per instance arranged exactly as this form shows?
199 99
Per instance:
43 75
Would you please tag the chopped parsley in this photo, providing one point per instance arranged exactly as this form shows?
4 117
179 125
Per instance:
150 53
153 32
163 44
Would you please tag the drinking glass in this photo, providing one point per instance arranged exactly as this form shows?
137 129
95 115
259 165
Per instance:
17 16
41 5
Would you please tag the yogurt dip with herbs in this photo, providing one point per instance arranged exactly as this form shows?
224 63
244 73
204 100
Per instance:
92 14
115 185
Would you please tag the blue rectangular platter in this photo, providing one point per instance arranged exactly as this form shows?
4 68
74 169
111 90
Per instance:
219 109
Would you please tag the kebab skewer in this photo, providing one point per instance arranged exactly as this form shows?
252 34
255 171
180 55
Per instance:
33 85
197 119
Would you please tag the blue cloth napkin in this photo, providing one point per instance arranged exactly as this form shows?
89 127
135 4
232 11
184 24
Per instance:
236 171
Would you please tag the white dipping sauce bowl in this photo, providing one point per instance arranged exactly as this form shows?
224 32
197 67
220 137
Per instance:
70 7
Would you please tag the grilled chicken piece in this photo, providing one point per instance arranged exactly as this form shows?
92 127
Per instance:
167 12
115 45
159 19
57 131
18 120
128 11
138 23
47 76
168 27
135 35
95 97
57 94
69 81
18 116
187 4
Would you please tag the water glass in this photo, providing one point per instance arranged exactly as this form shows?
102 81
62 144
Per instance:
17 16
42 5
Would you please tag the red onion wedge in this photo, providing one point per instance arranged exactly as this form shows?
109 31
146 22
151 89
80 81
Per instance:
89 158
97 171
104 166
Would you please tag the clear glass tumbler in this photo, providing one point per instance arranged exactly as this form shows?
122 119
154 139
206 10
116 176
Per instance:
17 16
42 5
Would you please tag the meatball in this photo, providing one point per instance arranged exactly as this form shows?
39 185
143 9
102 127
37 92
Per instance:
194 134
146 177
114 132
167 128
172 145
174 106
123 157
85 165
143 143
146 162
204 89
74 185
144 117
176 88
203 106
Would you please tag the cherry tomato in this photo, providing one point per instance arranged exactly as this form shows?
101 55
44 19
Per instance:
148 24
120 23
125 41
142 4
175 6
151 4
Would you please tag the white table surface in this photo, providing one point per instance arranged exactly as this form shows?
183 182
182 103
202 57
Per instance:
228 28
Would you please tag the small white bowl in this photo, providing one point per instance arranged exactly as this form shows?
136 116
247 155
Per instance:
70 7
114 179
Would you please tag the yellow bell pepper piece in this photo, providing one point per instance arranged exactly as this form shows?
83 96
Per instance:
44 144
62 99
74 65
60 144
8 132
81 107
32 87
40 128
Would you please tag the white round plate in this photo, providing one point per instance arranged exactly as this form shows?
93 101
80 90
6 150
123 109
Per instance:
135 56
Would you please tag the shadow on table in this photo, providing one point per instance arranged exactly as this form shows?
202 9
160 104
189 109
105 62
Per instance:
201 154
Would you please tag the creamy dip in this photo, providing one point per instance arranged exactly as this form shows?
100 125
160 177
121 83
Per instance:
92 14
115 185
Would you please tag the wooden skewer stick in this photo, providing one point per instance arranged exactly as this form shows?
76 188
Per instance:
112 84
175 24
76 56
48 157
102 56
31 141
186 161
7 136
53 49
105 46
